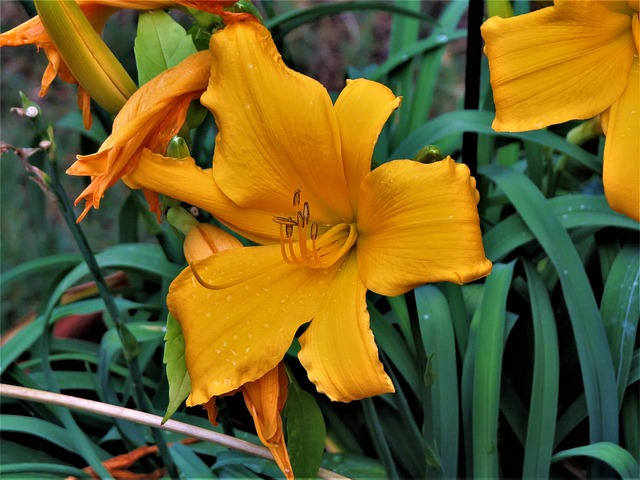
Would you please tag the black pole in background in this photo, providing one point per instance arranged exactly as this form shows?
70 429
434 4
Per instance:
472 80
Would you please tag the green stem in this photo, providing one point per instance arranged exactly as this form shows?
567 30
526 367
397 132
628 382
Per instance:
129 344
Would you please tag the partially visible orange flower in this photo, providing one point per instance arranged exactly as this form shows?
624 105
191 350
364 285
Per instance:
151 117
574 60
33 32
264 397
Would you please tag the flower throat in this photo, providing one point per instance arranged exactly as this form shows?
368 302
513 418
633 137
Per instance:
324 250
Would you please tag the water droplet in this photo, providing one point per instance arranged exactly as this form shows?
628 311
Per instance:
228 298
425 317
442 38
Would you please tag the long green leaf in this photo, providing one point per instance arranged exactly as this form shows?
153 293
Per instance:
25 337
190 464
35 470
39 428
451 125
39 266
614 455
620 309
572 211
544 389
285 23
395 348
487 371
593 350
441 405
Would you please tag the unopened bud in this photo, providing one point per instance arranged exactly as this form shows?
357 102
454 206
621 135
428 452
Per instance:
178 148
429 154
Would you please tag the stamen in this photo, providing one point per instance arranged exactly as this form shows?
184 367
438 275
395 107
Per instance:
296 197
323 251
282 249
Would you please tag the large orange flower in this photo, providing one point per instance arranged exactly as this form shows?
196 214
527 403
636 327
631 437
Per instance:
574 60
292 172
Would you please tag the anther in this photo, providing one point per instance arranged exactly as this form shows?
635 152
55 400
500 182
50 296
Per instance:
285 221
314 231
296 197
301 221
289 230
306 214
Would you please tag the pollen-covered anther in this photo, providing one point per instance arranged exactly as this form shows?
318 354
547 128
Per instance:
296 197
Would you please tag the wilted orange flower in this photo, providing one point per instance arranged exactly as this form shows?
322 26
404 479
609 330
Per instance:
574 60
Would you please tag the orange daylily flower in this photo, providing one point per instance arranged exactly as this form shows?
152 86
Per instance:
264 397
292 172
574 60
97 12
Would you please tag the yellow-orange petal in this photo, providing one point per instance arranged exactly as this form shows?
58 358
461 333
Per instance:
338 348
621 169
362 109
569 61
418 223
183 180
235 335
151 117
278 129
265 399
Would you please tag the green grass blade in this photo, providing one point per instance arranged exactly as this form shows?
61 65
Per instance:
620 309
487 371
614 455
441 405
544 389
593 350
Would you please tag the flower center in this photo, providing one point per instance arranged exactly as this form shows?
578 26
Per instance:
308 244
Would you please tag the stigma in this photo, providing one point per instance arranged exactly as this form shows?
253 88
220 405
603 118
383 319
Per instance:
301 243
